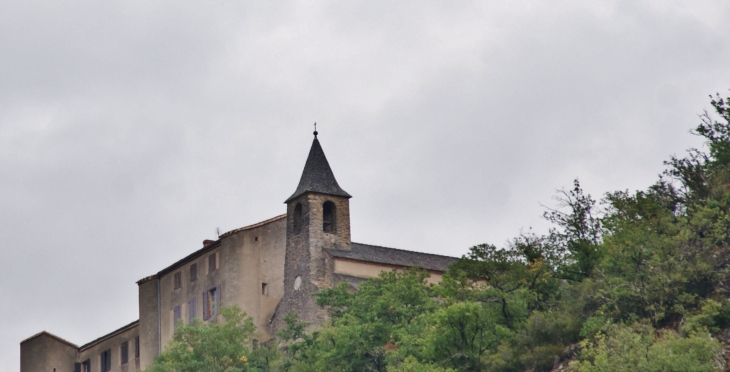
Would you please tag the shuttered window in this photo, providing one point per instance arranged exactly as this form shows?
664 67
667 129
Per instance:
211 302
178 280
217 299
106 361
206 306
193 272
176 315
86 366
192 310
77 367
136 347
125 352
212 263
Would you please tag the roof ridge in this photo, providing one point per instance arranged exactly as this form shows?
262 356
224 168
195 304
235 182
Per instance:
50 335
102 338
213 245
257 224
406 250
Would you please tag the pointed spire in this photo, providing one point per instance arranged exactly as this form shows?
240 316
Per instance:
317 175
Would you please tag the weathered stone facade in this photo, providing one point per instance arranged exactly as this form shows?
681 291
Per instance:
307 267
44 352
269 269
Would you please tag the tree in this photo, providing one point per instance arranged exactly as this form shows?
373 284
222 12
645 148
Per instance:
640 286
639 348
365 324
578 233
209 347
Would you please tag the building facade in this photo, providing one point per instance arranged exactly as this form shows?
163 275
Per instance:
268 269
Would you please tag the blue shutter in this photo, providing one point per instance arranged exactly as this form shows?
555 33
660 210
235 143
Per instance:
205 306
77 367
176 316
192 310
217 298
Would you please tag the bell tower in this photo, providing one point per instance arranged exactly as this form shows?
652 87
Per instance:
318 218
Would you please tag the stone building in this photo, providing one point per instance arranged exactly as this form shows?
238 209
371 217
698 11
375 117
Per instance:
269 269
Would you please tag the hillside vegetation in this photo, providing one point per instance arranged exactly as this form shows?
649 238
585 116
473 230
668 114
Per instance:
635 281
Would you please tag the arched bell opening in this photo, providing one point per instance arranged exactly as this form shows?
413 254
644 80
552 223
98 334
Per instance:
329 223
298 219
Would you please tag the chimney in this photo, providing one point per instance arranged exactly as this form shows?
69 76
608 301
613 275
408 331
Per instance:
208 242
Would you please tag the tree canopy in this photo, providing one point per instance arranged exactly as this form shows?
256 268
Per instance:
635 281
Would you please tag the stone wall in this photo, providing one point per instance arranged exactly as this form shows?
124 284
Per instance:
306 268
148 320
113 342
369 270
246 259
46 352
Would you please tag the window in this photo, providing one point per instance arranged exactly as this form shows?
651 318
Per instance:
77 367
136 347
193 272
264 289
211 302
106 361
86 365
212 263
176 315
178 280
298 219
192 310
328 217
125 352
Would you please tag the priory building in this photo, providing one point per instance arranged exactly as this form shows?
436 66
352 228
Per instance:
268 269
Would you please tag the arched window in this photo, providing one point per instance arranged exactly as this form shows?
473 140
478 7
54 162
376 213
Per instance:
298 219
328 217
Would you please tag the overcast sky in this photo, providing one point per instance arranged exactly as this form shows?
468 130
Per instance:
131 130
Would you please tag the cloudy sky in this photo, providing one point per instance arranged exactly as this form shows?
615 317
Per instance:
131 130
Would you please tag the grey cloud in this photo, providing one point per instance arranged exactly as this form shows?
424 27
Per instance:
130 131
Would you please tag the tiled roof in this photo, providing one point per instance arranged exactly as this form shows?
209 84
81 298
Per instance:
392 256
109 335
317 175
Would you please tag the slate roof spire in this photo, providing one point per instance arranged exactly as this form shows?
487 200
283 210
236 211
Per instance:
317 175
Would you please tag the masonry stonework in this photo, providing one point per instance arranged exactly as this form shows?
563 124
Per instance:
268 269
307 266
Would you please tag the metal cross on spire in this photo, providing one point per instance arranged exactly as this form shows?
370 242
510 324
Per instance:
315 130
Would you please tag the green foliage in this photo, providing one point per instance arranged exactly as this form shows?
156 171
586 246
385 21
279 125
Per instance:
638 348
577 234
365 324
411 364
209 347
717 133
462 333
639 285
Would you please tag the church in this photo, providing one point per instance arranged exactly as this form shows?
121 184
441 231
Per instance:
268 269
